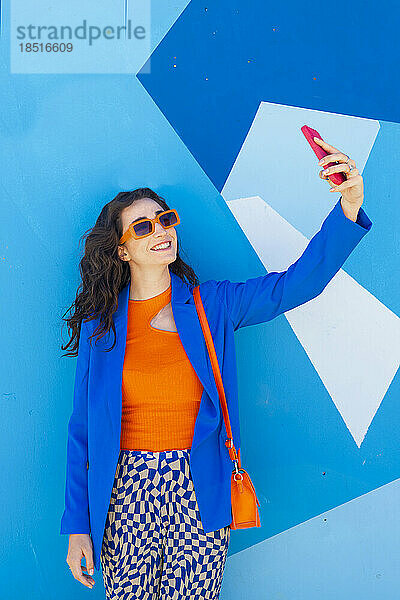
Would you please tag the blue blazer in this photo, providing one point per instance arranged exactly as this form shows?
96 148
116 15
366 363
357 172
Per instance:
94 427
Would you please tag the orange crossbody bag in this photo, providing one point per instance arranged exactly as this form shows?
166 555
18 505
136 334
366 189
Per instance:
243 495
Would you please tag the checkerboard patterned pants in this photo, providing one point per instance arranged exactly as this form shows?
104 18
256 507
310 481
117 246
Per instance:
154 546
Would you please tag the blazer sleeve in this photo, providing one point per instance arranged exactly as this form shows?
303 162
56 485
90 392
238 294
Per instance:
75 518
263 298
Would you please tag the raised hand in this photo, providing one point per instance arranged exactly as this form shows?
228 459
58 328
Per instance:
352 190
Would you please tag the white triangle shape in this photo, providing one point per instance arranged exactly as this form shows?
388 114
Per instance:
351 338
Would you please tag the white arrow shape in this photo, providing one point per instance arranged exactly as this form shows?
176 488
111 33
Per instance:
275 194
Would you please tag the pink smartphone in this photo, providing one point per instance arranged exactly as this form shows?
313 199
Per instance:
309 132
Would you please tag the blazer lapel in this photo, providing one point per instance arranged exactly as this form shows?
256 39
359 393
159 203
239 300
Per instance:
192 339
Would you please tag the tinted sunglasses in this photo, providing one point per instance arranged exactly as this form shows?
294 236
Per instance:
145 227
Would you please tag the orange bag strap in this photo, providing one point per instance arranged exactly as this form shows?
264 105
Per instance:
217 375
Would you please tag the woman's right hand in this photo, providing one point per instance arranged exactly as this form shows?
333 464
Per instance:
80 545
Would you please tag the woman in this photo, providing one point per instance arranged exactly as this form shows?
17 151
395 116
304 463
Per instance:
148 473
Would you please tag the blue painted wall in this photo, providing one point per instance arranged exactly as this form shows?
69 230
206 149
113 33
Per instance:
69 143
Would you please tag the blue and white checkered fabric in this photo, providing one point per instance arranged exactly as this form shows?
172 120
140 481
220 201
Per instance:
154 545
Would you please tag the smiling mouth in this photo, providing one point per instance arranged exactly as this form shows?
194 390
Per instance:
154 249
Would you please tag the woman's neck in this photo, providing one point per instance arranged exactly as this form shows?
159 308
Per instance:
142 288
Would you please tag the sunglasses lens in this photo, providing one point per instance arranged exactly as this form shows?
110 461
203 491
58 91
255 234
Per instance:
168 219
142 228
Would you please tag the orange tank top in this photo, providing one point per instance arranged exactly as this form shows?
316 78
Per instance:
161 392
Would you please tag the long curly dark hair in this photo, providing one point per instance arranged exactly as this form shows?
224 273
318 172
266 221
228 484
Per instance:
104 274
